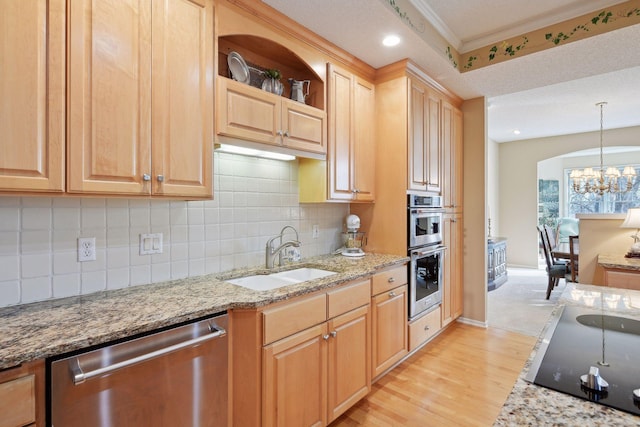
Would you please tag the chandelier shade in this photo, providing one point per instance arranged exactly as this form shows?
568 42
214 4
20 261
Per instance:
602 180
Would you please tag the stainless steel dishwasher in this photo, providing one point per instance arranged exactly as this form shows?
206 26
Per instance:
176 377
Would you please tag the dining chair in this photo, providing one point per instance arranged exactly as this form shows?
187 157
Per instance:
573 257
547 234
555 272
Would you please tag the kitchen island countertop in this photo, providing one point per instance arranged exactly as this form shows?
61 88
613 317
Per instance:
49 328
533 405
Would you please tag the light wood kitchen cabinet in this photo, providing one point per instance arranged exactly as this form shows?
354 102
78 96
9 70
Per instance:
425 142
351 136
252 114
425 327
349 171
389 307
32 87
452 291
314 362
452 157
140 98
22 395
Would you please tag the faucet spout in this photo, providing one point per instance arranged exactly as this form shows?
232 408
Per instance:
271 253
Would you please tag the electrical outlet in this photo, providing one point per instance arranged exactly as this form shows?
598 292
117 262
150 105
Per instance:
150 244
86 249
315 231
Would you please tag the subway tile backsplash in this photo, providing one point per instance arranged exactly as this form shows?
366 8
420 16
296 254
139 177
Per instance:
254 198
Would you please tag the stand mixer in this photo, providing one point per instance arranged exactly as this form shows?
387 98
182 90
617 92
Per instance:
353 239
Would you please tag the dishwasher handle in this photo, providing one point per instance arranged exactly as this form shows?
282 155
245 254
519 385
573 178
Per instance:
79 376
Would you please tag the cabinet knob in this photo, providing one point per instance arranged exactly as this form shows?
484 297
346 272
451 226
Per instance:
426 327
286 133
392 294
325 337
391 279
334 333
279 133
160 178
146 177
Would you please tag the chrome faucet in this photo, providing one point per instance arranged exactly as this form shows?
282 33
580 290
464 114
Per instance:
271 252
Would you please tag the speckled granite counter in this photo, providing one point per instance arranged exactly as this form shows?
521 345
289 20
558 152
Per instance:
532 405
619 262
38 330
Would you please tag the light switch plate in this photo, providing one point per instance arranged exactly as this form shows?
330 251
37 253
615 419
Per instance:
150 244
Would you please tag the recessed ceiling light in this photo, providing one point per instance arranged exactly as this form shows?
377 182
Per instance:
391 40
516 132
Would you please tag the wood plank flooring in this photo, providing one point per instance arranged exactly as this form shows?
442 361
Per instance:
461 378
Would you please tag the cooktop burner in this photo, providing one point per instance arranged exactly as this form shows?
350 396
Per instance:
602 348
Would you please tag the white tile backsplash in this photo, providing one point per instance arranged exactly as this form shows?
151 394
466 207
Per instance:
254 199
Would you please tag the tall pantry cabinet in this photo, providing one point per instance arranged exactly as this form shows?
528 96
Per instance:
32 85
140 97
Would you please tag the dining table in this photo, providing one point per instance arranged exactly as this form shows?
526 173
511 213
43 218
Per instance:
563 251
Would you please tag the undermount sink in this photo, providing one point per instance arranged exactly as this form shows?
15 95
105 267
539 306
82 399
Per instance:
266 282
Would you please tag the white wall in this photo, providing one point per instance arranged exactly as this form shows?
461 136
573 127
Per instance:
254 198
518 171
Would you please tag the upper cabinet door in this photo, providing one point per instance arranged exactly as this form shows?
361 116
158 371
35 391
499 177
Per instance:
32 89
109 107
340 152
364 150
417 137
303 127
182 96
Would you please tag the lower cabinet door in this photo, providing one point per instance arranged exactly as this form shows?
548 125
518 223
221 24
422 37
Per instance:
349 360
389 329
295 379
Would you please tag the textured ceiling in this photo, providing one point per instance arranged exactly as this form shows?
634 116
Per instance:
548 93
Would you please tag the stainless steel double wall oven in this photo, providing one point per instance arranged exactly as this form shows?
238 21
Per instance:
424 223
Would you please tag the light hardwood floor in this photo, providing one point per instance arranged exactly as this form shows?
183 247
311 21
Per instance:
461 378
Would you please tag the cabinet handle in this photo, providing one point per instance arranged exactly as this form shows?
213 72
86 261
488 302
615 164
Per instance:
286 134
391 279
392 294
146 177
334 333
160 178
426 328
279 133
325 337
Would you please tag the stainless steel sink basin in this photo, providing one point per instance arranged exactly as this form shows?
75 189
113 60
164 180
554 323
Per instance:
266 282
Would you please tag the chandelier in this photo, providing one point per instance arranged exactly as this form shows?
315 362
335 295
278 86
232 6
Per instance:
603 180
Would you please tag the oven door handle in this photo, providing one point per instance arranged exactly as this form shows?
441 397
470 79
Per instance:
430 251
79 376
421 211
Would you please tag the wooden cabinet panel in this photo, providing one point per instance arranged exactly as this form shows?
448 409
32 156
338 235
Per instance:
32 87
389 279
424 328
286 319
134 100
349 362
247 114
109 96
254 115
452 289
182 94
22 395
303 127
351 151
295 380
622 279
425 142
452 158
389 329
348 297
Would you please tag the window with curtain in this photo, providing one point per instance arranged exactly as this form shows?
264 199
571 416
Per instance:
607 203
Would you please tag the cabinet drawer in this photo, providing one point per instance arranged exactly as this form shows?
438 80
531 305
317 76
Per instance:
18 402
348 297
424 328
389 279
282 321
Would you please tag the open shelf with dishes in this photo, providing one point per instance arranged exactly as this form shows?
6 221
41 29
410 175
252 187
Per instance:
260 54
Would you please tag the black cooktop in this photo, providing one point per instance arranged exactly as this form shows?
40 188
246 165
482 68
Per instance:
577 344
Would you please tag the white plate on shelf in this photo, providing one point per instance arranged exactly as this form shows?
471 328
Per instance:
239 68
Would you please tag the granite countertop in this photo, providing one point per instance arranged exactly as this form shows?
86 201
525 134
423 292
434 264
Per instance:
38 330
533 405
618 261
